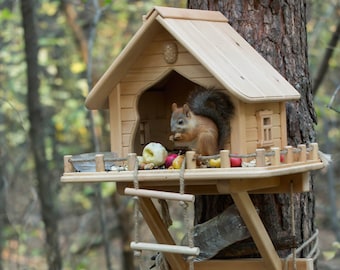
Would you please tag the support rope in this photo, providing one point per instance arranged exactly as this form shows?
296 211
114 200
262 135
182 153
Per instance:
186 215
137 253
314 252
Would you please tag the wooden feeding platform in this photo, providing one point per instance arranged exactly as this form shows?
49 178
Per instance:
270 175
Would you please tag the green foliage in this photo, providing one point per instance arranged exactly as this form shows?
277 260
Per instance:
331 253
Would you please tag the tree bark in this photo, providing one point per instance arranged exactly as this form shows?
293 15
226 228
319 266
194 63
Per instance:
45 183
277 30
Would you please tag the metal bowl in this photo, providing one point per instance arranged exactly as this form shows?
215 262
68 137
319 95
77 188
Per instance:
87 162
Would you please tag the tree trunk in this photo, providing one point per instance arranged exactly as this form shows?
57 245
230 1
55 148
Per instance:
45 183
277 30
2 204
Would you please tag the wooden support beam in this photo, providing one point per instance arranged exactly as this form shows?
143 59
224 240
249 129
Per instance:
251 264
237 185
257 230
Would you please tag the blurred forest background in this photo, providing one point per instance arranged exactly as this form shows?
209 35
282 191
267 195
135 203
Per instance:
77 41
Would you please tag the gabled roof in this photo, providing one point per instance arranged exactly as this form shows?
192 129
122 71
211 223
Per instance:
208 36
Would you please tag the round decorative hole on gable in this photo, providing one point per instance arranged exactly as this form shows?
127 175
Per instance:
170 52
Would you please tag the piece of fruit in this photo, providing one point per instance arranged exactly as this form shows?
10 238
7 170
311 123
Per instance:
215 162
154 153
177 162
235 162
282 158
169 159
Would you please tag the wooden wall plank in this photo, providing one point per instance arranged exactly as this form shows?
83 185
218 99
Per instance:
115 121
128 114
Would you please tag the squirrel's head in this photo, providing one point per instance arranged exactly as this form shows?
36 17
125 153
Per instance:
179 118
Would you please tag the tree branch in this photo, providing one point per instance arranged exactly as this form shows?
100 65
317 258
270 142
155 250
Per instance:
325 61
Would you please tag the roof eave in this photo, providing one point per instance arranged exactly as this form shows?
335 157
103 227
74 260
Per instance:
98 96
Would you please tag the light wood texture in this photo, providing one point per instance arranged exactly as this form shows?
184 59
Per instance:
100 167
226 66
186 14
238 126
275 160
260 157
159 194
98 95
115 121
278 184
240 185
303 154
251 264
67 164
240 69
283 123
257 230
190 160
158 229
194 176
165 248
314 153
289 157
225 160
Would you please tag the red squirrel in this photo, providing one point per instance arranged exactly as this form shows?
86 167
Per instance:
203 123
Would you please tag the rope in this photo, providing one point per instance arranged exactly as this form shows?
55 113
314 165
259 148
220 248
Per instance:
313 237
314 250
137 253
292 209
186 215
253 155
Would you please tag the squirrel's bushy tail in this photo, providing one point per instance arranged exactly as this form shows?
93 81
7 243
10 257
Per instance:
215 105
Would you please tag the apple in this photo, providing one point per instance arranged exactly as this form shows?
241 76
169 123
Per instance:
177 162
235 162
154 153
282 158
169 159
215 162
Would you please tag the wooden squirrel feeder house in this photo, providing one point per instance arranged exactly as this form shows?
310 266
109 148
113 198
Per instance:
173 52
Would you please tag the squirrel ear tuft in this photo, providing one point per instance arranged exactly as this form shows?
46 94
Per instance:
174 106
186 110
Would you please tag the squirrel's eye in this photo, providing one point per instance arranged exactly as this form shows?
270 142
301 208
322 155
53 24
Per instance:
180 122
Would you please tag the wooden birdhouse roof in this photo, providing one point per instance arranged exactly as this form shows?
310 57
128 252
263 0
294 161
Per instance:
208 36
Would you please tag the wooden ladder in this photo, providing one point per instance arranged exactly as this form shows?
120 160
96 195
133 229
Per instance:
167 246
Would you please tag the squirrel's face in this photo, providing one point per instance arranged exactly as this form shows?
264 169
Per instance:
179 119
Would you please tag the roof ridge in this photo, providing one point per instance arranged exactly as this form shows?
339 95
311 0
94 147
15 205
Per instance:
187 14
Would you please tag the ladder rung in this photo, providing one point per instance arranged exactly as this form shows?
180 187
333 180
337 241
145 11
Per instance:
194 251
159 194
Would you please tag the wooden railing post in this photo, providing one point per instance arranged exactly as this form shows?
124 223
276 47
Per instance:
275 159
289 156
303 153
67 164
225 160
260 157
100 166
190 159
131 160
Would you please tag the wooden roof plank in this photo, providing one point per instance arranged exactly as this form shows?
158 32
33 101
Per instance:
189 14
206 35
97 97
245 78
245 59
